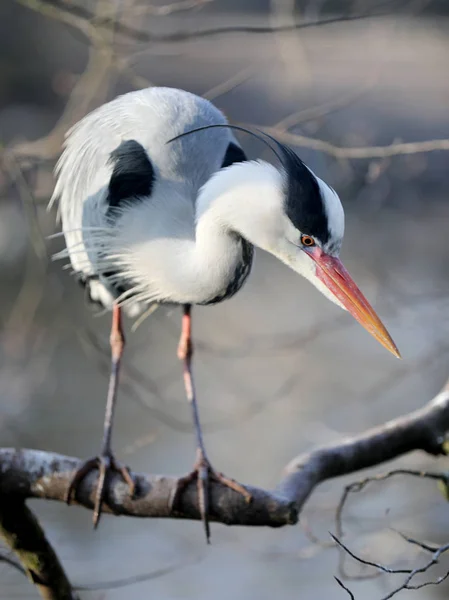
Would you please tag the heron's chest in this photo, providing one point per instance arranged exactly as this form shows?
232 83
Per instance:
238 276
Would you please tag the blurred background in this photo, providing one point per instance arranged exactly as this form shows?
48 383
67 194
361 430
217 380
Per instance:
279 369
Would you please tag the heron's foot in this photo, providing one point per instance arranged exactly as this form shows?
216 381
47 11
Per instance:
203 473
106 464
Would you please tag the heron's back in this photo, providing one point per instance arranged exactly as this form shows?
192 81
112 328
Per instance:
151 117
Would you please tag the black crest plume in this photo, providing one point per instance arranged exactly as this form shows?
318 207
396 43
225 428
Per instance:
304 204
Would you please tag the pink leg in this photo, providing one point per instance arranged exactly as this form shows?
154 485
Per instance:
106 462
202 471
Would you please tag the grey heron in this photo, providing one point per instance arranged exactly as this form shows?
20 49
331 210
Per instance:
159 204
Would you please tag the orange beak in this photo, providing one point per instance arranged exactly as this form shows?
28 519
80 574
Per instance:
332 273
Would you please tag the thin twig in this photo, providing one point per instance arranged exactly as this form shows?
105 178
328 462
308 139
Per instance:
411 573
394 149
341 584
139 35
168 9
364 561
115 584
90 86
358 486
230 84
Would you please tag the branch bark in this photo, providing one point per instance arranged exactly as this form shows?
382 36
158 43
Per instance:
21 531
36 474
424 429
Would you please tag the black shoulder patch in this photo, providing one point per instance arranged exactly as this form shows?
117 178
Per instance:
234 154
132 175
304 205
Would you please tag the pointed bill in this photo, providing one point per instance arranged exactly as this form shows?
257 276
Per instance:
331 271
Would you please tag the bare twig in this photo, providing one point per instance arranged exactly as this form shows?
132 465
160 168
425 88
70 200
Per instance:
229 84
342 585
115 584
364 561
170 8
362 152
140 35
411 573
358 486
92 84
323 110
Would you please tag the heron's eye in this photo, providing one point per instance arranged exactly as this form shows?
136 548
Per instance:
307 240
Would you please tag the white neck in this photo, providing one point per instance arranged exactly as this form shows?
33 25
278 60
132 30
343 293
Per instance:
194 266
238 197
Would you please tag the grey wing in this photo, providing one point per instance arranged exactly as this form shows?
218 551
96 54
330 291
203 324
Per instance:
82 178
150 117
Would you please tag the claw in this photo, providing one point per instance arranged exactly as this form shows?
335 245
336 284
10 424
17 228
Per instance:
203 472
105 464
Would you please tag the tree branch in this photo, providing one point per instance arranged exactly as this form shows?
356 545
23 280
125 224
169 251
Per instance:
424 429
139 35
38 474
21 531
411 573
362 152
441 478
92 84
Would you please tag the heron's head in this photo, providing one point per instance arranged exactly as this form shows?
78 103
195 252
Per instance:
307 233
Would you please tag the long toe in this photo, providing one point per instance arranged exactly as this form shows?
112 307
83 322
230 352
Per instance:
204 473
200 474
232 484
86 467
203 497
105 464
125 473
